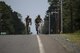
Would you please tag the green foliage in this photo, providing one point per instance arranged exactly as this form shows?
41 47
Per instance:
10 21
18 25
52 16
71 14
45 28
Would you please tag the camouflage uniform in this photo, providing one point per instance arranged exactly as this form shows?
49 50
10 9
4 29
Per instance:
37 21
28 22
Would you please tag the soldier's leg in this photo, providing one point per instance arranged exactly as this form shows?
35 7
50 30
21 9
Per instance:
27 29
37 29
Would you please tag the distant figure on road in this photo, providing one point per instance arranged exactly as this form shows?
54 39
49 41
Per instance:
38 20
28 23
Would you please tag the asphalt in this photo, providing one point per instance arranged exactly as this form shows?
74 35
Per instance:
18 44
52 46
30 44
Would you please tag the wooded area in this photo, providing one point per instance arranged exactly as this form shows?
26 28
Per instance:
10 21
70 13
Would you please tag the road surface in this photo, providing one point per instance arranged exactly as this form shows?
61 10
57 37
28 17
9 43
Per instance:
30 44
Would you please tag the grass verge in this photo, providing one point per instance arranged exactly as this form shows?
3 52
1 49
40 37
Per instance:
74 38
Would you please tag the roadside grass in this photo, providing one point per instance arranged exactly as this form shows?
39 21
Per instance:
74 38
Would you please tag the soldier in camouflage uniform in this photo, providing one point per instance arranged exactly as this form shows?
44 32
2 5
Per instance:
28 22
37 23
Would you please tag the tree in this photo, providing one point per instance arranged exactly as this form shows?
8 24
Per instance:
10 21
54 18
71 14
17 23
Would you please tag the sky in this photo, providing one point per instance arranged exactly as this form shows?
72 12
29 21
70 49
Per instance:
29 7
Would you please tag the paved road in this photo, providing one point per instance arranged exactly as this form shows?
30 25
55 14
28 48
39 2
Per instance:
30 44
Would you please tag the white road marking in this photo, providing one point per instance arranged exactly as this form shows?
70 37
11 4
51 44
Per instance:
41 48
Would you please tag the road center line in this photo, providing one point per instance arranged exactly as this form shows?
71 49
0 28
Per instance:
41 49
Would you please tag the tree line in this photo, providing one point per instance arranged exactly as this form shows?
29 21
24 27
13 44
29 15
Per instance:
71 16
10 21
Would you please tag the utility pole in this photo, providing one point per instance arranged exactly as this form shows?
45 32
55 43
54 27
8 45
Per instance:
61 16
49 23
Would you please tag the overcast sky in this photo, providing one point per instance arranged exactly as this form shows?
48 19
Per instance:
29 7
